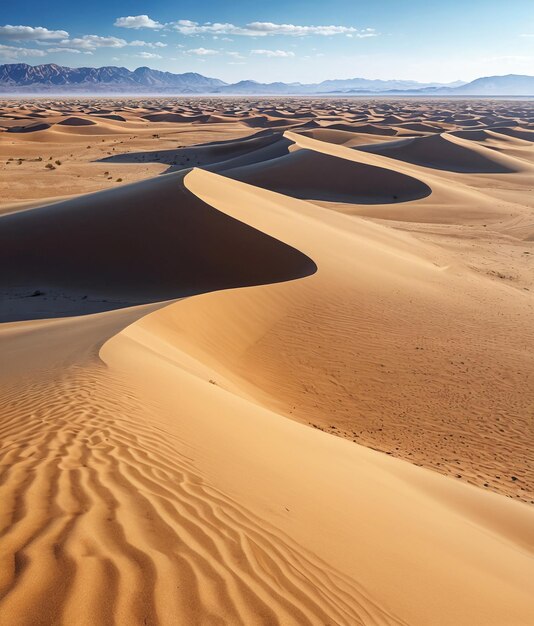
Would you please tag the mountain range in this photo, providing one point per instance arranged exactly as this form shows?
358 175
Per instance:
20 78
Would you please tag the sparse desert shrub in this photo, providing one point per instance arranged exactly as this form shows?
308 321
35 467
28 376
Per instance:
58 162
49 166
119 180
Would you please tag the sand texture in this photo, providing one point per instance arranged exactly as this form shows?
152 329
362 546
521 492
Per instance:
266 361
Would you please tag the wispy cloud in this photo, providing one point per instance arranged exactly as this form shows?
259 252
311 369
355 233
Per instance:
273 53
148 55
202 52
30 33
137 21
13 52
147 44
68 51
263 29
91 42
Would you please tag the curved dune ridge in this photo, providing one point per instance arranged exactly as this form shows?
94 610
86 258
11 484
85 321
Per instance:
174 117
447 153
261 146
314 175
370 129
32 128
76 121
181 350
111 116
518 133
122 224
150 522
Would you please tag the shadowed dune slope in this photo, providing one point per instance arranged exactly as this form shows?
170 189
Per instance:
369 129
144 242
76 121
447 153
110 116
174 117
312 175
259 147
517 132
31 128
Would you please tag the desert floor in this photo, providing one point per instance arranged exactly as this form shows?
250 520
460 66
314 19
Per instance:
267 361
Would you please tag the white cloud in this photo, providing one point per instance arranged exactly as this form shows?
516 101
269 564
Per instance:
235 55
273 53
68 50
148 55
137 21
527 35
147 44
202 52
90 42
364 34
263 29
12 52
30 33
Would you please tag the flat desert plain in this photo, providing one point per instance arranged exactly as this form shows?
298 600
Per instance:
267 361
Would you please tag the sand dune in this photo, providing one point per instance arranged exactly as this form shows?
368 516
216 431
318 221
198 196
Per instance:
129 269
291 387
313 175
261 146
518 133
364 128
76 121
32 128
448 153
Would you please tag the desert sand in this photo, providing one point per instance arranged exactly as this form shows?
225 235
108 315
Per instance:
267 361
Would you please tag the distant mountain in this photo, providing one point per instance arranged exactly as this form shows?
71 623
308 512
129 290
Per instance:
328 86
24 78
253 87
19 78
365 84
510 85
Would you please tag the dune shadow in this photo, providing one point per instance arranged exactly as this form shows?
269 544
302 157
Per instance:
200 155
142 243
311 175
439 153
32 128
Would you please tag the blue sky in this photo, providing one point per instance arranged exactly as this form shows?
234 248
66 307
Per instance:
289 40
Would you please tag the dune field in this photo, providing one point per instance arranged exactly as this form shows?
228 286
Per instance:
267 361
